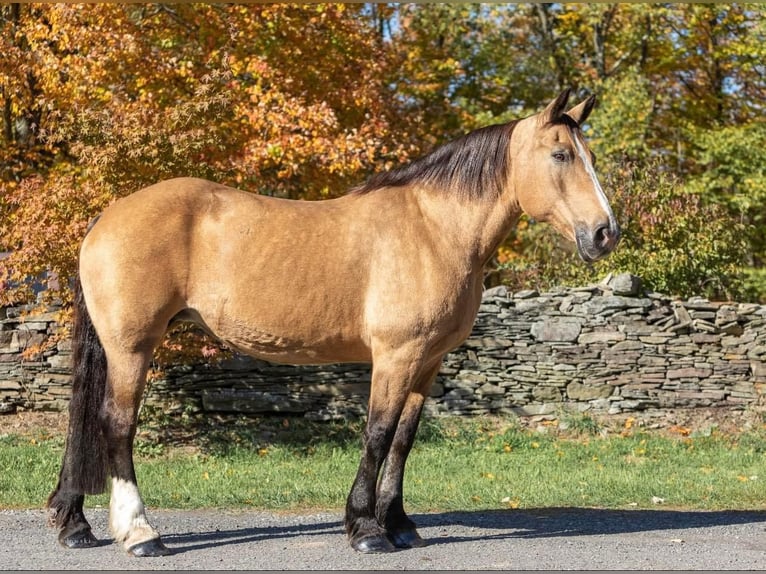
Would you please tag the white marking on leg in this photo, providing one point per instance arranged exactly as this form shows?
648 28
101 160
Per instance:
127 518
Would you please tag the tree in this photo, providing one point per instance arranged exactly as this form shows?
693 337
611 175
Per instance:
98 101
734 176
121 96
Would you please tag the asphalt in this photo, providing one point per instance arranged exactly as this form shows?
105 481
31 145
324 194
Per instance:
544 539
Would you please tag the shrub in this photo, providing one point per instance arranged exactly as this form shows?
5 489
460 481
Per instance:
671 238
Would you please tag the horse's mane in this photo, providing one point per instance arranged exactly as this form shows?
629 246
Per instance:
474 165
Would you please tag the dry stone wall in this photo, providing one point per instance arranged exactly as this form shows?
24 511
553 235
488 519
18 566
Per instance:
606 348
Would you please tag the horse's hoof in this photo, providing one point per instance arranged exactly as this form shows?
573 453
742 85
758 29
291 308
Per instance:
406 539
80 538
376 544
153 547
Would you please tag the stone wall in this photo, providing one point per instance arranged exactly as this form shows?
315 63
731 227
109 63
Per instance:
607 348
30 379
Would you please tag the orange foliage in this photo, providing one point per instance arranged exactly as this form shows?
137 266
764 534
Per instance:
103 99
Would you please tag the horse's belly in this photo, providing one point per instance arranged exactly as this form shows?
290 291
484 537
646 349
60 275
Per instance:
293 346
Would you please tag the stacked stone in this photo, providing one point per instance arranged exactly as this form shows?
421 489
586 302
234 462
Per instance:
607 348
34 372
245 385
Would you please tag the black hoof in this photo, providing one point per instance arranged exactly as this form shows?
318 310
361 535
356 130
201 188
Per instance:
78 538
153 547
376 544
406 539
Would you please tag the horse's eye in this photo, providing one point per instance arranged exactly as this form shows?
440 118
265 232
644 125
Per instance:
560 156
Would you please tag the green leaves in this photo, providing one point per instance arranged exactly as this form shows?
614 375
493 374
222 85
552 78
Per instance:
673 239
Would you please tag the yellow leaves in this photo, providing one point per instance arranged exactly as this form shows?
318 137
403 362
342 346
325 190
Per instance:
511 502
134 97
640 450
745 478
627 427
506 254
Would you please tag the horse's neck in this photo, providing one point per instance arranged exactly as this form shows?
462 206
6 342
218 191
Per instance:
473 227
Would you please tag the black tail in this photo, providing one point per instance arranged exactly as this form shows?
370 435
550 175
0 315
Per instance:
85 459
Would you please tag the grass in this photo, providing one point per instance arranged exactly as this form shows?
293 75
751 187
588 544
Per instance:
456 464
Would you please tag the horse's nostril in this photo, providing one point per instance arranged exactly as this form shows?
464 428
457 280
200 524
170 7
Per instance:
601 235
606 236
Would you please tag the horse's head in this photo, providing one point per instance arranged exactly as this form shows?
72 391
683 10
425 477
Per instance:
555 180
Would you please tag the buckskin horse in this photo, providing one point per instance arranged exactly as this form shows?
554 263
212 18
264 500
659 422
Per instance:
389 274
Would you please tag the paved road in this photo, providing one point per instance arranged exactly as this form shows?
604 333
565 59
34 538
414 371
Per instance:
546 539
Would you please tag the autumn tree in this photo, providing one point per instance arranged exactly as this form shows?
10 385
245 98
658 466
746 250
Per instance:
304 101
278 99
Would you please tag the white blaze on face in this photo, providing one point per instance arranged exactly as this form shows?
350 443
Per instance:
590 170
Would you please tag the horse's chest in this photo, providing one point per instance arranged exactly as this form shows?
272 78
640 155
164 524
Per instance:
447 321
462 320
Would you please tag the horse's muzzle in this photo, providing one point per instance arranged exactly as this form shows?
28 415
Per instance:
593 243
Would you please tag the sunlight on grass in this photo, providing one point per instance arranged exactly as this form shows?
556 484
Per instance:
456 464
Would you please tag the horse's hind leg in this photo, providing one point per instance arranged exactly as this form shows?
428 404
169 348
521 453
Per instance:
127 517
400 530
75 530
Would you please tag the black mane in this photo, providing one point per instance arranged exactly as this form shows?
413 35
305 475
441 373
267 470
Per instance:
474 165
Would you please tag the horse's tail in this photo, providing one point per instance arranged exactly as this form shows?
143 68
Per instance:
85 458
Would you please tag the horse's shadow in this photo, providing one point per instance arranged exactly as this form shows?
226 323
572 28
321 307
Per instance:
502 524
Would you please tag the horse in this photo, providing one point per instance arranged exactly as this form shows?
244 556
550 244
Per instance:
390 274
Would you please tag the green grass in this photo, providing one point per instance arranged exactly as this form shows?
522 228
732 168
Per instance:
457 464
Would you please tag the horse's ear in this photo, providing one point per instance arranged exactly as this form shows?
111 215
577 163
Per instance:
581 111
555 109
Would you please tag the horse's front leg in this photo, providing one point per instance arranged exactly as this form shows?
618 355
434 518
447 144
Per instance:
391 382
400 530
